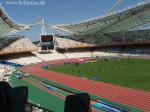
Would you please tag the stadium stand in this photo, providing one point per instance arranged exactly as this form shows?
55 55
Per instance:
117 33
101 54
53 55
69 43
78 54
16 44
115 38
5 72
90 33
133 49
26 60
4 42
2 71
125 43
10 44
19 59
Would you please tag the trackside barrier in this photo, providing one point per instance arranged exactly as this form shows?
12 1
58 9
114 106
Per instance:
10 63
109 107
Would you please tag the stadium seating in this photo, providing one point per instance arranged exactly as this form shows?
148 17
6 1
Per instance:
122 37
98 53
5 41
50 56
78 54
12 44
1 71
21 45
26 60
5 72
69 43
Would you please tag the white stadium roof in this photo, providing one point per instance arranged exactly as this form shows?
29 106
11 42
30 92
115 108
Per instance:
117 21
8 26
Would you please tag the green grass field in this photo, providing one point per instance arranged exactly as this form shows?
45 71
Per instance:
132 73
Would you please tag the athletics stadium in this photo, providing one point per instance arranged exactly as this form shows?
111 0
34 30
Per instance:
107 57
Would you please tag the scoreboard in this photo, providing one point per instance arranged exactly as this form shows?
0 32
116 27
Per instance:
47 42
46 38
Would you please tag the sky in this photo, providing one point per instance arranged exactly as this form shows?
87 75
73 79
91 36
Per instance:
57 11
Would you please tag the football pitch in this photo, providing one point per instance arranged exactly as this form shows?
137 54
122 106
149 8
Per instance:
132 73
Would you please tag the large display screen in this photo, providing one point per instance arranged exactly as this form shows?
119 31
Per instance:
46 38
47 42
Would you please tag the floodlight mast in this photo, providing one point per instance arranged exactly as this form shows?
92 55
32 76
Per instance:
43 27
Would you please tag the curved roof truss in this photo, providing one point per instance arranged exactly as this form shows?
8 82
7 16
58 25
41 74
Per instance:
118 21
8 26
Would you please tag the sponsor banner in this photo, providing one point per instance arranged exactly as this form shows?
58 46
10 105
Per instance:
109 107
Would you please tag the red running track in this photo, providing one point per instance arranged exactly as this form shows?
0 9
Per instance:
132 97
